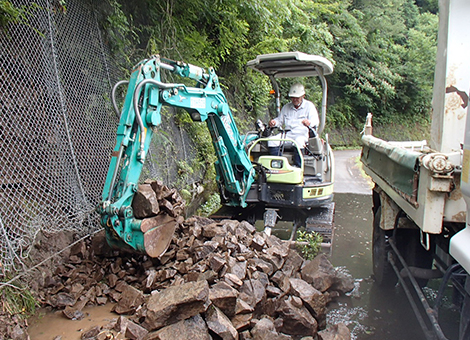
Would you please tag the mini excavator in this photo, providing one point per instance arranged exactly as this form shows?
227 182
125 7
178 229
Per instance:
252 183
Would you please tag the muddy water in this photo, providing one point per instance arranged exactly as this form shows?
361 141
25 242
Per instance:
47 326
369 312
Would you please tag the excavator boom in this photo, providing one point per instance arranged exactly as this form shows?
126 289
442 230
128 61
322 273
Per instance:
141 114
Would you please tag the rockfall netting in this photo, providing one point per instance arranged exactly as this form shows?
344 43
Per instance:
57 126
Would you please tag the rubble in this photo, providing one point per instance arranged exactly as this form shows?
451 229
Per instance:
218 279
335 332
176 303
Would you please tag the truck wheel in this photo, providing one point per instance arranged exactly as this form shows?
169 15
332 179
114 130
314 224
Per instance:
464 332
383 271
414 253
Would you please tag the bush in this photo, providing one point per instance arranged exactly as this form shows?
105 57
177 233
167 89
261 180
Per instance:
309 244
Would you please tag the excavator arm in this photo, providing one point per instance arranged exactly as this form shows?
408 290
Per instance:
141 114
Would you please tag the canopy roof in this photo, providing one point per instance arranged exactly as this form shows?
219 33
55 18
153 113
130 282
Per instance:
291 64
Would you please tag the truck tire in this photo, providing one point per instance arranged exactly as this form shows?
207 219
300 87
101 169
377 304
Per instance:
464 331
414 253
383 272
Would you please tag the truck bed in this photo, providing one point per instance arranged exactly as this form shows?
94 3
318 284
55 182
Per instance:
426 195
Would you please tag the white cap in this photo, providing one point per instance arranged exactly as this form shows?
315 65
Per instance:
297 90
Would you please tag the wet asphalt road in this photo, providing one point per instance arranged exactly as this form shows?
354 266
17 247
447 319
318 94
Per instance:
369 312
348 176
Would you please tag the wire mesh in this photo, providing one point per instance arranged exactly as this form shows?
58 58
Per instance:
56 129
57 126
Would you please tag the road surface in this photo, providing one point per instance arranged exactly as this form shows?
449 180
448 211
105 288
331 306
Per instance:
348 175
369 313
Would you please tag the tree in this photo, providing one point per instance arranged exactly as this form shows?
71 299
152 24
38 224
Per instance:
377 71
383 50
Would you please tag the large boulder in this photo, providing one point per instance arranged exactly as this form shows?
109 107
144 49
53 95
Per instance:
335 332
220 324
176 303
295 319
319 272
193 328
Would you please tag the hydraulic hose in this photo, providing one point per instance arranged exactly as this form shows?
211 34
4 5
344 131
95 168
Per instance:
113 96
137 90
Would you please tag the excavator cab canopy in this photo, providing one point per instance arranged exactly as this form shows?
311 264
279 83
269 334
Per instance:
291 64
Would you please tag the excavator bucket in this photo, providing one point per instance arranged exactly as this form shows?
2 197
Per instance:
158 232
156 213
157 239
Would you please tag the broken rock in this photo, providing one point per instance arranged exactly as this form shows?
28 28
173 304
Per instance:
134 331
265 330
176 303
319 272
295 319
242 321
145 203
335 332
131 298
193 328
311 296
224 297
220 324
254 291
344 282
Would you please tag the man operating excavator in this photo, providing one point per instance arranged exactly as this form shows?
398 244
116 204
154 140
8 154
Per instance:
296 119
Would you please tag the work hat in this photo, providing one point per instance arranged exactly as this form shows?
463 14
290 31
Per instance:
296 90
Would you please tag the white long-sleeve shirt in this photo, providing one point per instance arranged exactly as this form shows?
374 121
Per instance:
291 119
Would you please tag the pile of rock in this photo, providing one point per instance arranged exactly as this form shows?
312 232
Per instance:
216 280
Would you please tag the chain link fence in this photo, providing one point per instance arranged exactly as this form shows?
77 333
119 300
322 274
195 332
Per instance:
57 126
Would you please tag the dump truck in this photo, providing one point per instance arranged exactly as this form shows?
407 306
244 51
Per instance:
421 198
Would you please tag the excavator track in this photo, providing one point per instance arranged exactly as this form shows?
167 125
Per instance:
321 221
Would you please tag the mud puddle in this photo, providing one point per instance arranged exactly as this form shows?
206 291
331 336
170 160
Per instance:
47 326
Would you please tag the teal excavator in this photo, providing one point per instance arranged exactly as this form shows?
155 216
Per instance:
250 180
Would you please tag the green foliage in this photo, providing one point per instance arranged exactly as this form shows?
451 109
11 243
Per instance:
122 35
377 70
211 205
431 6
185 173
18 301
383 52
10 14
205 157
309 244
